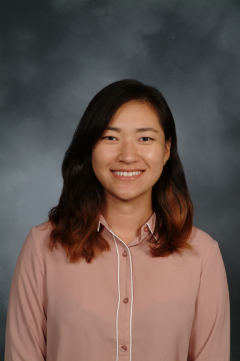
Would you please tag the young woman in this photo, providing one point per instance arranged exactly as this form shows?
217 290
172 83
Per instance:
119 272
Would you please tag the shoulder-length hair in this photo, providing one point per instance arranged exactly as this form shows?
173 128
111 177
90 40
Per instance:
75 218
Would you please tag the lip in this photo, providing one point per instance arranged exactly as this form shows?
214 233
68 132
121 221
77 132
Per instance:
127 178
127 170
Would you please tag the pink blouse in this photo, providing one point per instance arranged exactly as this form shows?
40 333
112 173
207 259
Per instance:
125 305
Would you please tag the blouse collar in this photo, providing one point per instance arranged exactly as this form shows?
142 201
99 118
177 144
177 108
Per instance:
146 228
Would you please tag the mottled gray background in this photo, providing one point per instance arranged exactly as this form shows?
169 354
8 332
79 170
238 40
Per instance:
57 54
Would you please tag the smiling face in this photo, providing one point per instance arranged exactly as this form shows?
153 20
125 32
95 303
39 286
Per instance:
134 141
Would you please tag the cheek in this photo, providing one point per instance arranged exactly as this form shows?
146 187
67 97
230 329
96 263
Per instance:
100 159
155 162
155 157
95 160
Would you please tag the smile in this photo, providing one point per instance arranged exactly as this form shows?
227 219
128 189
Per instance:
127 175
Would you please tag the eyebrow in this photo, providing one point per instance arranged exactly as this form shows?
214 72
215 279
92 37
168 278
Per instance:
137 130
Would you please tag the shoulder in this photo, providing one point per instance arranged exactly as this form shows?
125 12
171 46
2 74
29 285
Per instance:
41 233
203 245
32 258
201 239
36 242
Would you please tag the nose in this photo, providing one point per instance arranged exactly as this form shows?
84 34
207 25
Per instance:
128 152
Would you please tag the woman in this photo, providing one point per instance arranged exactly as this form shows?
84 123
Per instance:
119 272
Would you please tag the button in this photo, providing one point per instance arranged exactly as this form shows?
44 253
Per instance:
125 300
145 229
124 253
124 348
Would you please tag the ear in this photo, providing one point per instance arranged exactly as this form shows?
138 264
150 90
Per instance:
167 149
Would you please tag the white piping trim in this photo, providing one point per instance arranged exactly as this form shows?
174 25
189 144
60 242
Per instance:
118 300
151 231
131 292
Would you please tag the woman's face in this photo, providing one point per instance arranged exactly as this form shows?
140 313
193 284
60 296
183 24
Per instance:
133 142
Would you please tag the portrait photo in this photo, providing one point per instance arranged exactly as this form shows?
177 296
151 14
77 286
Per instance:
120 173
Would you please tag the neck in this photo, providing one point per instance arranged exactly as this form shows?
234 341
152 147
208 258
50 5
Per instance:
126 218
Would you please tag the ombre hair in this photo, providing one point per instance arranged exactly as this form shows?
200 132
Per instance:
75 219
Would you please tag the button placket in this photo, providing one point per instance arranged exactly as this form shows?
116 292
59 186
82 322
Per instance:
124 319
124 314
124 254
124 348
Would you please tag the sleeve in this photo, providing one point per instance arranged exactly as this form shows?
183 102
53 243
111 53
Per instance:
210 335
26 318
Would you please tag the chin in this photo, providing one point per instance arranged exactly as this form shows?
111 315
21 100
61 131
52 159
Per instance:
127 197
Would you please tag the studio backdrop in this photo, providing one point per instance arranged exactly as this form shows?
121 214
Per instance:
57 54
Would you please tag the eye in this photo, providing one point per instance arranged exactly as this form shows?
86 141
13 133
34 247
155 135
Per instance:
146 138
108 136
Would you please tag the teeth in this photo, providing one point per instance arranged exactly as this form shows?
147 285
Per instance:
127 174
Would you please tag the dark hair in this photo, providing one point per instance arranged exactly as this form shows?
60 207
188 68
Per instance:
75 218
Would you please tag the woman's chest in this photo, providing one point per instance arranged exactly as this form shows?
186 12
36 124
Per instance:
147 290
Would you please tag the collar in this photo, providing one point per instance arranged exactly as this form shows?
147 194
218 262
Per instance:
145 229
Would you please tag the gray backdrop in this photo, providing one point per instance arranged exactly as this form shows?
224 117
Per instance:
57 54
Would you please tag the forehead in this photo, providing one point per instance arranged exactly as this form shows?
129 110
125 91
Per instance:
136 112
